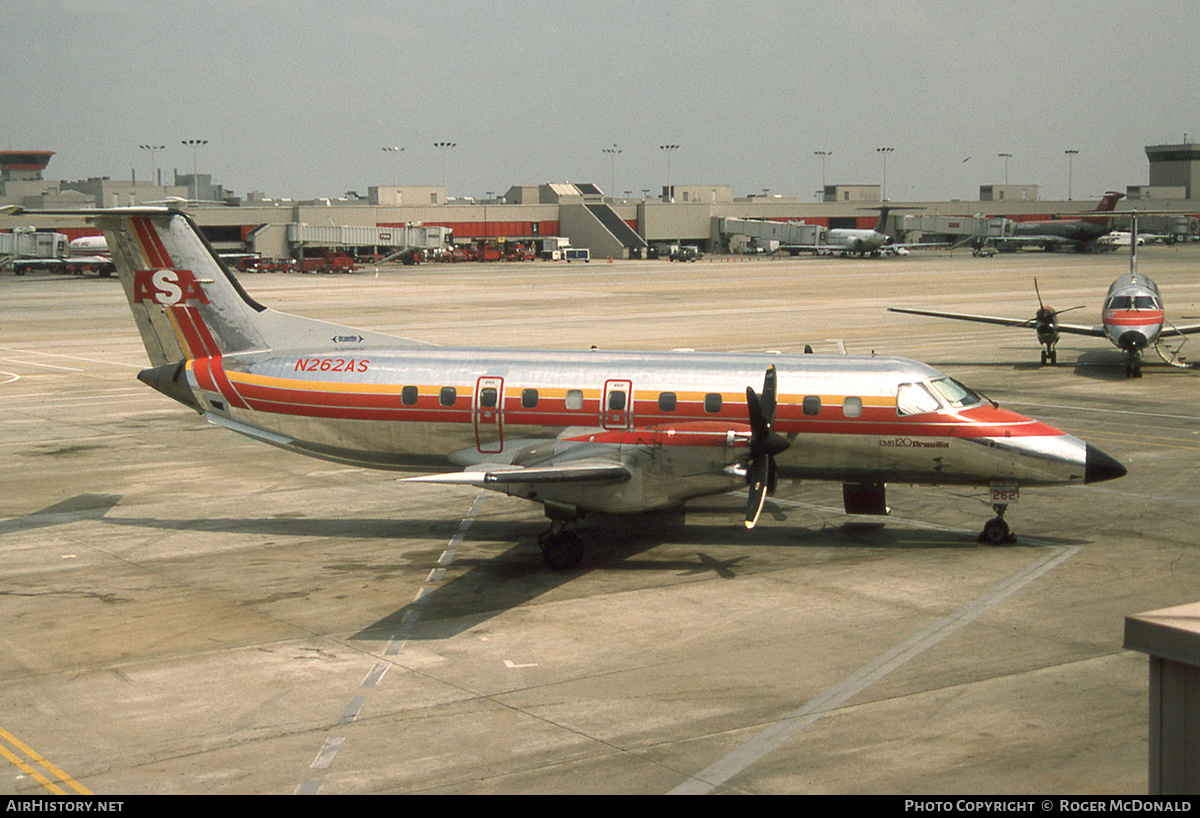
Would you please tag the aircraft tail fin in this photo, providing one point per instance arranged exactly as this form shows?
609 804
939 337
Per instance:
186 304
189 306
881 225
1107 204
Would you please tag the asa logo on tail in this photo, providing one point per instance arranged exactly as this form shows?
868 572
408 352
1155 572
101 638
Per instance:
167 287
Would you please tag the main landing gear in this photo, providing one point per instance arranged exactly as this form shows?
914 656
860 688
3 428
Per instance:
996 531
561 549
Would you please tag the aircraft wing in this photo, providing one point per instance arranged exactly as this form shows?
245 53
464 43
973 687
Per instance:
1180 329
617 471
487 475
1026 323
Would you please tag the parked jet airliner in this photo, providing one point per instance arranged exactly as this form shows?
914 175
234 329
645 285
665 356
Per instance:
576 431
1078 233
853 241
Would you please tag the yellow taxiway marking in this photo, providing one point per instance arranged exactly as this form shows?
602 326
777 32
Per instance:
31 758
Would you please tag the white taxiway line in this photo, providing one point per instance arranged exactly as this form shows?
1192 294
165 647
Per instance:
775 735
409 621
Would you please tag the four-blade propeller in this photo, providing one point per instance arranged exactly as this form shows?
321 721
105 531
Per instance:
1046 319
765 444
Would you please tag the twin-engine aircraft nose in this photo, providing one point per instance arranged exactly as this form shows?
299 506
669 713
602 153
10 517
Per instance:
1132 340
1099 466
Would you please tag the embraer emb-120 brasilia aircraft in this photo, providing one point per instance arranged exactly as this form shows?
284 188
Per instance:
577 431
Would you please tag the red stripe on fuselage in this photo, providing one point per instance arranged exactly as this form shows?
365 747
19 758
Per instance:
309 400
1134 318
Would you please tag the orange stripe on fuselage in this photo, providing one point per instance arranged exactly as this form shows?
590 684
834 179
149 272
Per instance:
337 400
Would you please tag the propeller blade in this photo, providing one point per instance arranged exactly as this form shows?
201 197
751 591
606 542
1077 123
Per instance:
764 445
757 477
769 402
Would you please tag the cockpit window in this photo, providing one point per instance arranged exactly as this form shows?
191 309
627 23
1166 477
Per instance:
957 395
1144 302
915 399
1120 302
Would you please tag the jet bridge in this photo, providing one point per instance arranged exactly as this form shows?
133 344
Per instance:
762 235
391 240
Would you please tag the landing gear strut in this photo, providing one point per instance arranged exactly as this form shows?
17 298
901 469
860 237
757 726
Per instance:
1133 367
996 531
561 549
1049 356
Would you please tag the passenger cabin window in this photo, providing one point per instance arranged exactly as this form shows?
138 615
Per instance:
408 396
574 400
616 400
667 402
487 397
811 404
915 399
448 396
852 407
712 402
529 398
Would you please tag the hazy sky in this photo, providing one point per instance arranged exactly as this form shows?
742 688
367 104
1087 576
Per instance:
298 98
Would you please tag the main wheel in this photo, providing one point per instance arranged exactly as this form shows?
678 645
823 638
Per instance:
561 550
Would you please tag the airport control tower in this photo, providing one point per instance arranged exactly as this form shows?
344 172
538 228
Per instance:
1175 166
23 166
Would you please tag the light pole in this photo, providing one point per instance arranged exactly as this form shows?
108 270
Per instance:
195 144
153 149
444 147
884 153
1005 157
822 154
395 152
612 168
1070 170
669 149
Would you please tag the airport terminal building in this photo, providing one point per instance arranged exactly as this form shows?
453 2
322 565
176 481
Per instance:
552 216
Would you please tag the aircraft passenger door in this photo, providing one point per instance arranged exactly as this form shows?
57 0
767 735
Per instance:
488 415
617 410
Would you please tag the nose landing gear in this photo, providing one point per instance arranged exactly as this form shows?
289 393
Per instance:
996 531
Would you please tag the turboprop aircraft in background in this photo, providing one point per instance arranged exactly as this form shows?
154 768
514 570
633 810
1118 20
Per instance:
1132 317
576 431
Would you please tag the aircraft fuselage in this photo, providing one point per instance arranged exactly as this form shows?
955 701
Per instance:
852 419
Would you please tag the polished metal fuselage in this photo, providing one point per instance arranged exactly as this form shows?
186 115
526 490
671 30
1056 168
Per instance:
680 418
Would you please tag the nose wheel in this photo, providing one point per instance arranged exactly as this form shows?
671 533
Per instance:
996 531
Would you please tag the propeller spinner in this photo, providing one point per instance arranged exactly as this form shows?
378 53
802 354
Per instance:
765 444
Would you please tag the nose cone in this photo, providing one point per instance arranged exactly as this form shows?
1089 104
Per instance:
1132 340
1100 466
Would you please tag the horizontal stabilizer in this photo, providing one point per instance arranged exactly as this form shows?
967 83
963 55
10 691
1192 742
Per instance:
248 430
